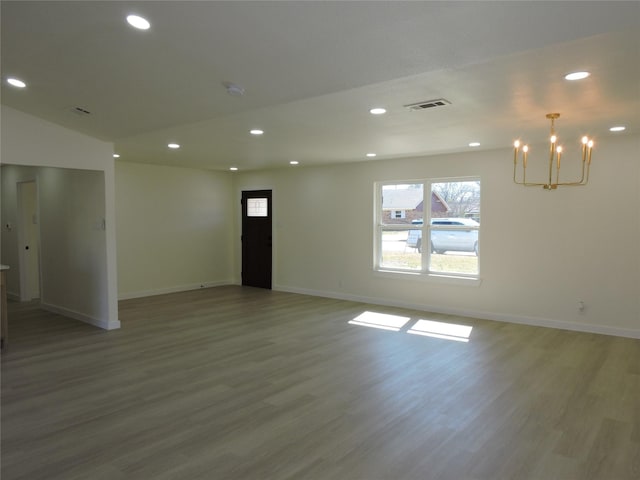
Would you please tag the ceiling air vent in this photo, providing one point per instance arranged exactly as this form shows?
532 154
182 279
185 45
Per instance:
438 102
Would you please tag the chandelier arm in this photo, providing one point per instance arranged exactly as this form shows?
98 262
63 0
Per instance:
585 161
529 184
551 150
588 167
571 184
583 181
524 169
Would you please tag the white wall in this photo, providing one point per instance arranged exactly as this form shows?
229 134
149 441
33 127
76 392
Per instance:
71 200
541 251
173 229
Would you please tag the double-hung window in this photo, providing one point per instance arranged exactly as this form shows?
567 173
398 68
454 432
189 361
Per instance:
439 233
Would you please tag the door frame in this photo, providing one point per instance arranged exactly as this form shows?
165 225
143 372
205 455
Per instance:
23 265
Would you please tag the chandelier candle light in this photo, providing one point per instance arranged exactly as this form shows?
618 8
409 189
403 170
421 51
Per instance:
555 154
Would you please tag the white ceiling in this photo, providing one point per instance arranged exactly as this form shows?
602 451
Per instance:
312 70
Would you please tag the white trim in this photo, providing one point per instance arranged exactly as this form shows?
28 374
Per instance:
442 278
499 317
174 289
561 324
111 240
106 325
22 241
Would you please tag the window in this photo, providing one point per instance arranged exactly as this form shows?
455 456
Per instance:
439 232
257 207
397 214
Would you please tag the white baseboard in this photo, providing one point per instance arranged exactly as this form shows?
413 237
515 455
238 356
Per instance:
174 289
499 317
105 324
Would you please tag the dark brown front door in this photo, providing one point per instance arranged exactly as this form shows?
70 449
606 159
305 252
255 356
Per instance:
256 238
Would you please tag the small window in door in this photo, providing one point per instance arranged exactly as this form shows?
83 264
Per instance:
257 207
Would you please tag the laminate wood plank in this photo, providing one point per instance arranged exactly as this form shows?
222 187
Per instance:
242 383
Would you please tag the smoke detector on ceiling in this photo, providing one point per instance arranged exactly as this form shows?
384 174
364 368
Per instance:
438 102
233 89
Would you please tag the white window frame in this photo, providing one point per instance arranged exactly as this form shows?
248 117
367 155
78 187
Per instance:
423 272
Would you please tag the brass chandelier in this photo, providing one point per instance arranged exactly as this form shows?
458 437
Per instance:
555 154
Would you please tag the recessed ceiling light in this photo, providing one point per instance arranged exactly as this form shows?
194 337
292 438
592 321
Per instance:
138 22
474 144
16 83
619 128
256 131
294 162
173 145
233 169
116 155
377 111
371 154
576 75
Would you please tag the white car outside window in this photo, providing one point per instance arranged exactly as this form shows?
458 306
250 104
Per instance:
458 238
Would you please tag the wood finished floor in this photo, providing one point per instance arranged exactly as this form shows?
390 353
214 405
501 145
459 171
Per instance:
241 383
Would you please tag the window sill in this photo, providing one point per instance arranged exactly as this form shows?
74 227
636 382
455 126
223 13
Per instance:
441 278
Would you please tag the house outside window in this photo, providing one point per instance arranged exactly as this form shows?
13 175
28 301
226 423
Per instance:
440 231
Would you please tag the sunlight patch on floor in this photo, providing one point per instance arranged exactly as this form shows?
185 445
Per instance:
446 331
383 321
